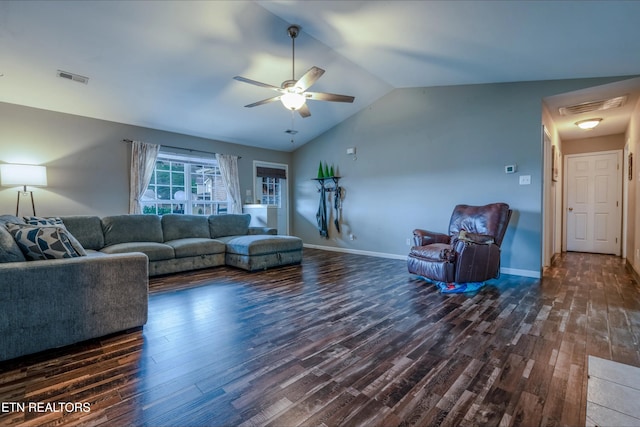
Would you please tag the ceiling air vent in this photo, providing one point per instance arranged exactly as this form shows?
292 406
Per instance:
70 76
587 107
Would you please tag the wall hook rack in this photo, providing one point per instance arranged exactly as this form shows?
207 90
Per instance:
328 183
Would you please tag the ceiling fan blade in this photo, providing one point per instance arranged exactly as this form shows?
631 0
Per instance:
304 111
255 83
264 101
319 96
309 78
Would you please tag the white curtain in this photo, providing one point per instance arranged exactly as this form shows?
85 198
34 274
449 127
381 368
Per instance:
143 161
228 165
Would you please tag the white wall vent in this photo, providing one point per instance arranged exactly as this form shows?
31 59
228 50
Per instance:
587 107
71 76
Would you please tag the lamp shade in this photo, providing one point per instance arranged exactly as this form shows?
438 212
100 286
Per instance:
12 174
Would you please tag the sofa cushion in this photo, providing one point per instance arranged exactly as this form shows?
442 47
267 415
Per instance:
229 225
196 246
9 249
87 229
262 244
176 226
36 220
131 228
153 250
39 242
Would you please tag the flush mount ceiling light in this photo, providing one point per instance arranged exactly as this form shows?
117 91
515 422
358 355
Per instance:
588 124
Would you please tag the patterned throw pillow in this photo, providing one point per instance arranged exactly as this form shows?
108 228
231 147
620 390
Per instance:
42 242
36 220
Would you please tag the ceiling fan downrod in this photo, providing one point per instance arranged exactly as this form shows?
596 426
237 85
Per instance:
293 32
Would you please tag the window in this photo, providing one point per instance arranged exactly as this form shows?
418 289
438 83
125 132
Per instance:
269 185
270 191
185 185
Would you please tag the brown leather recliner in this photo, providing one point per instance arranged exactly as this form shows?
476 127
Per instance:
471 250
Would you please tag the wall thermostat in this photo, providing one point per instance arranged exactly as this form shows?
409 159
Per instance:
510 169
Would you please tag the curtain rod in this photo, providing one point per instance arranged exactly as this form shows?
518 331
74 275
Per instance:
180 148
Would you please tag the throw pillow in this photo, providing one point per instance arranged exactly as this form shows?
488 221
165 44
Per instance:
481 239
36 220
42 242
10 218
9 249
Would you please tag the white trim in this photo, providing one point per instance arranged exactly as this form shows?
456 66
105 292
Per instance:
354 251
625 196
519 272
512 271
547 210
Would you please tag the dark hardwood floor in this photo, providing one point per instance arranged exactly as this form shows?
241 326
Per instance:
341 340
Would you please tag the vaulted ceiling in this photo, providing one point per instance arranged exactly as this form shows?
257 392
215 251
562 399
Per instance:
170 65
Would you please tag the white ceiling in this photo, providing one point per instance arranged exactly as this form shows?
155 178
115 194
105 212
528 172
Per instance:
170 64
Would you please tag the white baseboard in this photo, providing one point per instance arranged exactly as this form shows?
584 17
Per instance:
519 272
512 271
354 251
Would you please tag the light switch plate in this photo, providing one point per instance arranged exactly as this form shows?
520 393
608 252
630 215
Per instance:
525 179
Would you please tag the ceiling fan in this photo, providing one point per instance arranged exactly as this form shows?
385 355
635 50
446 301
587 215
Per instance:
293 93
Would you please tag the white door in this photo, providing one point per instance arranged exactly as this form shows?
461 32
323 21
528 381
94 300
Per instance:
594 202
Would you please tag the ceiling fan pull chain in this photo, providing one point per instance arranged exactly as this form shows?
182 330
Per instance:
293 132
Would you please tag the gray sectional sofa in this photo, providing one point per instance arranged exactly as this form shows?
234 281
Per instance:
176 243
56 302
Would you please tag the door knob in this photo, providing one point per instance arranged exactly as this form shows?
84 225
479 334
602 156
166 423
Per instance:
570 209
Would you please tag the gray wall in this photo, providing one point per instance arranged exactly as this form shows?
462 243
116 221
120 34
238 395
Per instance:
420 151
87 162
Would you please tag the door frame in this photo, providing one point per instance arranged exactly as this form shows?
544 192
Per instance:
284 188
547 201
625 196
565 194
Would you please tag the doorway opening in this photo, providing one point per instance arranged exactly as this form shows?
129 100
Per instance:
271 189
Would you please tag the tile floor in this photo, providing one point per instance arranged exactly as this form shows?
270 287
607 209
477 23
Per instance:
613 394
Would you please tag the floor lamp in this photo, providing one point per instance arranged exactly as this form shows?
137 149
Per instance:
12 175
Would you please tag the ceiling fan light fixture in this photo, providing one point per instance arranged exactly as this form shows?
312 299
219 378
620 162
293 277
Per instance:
292 100
588 124
293 93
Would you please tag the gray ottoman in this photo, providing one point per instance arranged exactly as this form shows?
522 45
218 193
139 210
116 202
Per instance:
259 252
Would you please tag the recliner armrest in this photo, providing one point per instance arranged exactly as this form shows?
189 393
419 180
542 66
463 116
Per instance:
425 237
